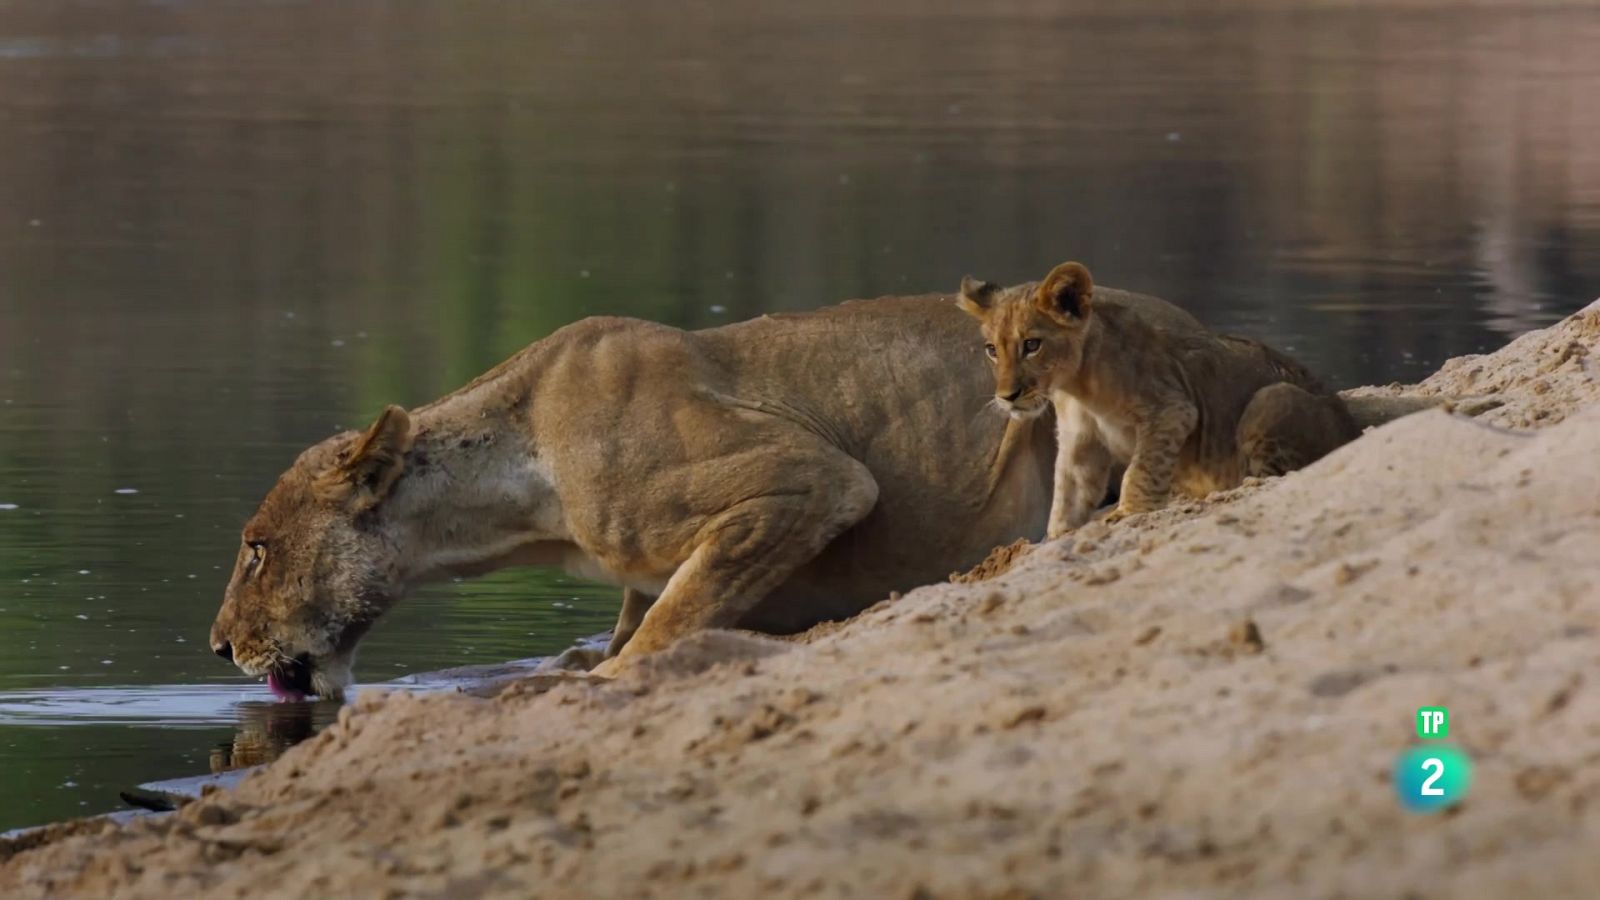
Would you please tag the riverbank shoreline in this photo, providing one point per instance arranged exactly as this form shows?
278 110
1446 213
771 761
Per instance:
1207 700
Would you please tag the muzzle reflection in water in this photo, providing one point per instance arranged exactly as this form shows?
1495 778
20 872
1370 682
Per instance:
264 730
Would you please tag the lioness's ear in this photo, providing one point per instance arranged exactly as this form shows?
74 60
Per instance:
364 473
1067 290
975 297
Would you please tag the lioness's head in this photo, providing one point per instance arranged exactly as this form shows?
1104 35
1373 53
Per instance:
1033 333
314 569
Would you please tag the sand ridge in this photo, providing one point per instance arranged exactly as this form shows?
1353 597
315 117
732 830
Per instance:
1203 701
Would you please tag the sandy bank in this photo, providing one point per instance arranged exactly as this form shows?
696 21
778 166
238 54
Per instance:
1203 701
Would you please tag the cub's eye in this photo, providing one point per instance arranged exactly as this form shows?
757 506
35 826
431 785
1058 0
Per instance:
989 349
1030 346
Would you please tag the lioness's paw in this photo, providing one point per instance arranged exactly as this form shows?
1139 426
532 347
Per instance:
610 668
574 659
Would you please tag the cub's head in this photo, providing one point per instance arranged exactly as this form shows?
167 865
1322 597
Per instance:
314 569
1033 333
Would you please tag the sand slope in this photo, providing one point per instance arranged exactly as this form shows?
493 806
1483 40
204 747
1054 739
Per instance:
1205 701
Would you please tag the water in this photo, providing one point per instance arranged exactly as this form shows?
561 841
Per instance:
234 725
227 230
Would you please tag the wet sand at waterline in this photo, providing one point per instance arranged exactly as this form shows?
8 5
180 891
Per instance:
1204 700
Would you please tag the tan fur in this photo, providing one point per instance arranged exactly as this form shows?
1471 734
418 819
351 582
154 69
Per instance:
765 475
1174 406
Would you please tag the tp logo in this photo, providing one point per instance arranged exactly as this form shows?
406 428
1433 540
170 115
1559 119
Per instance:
1433 723
1432 777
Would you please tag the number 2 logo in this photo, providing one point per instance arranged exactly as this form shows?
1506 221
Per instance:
1432 777
1435 765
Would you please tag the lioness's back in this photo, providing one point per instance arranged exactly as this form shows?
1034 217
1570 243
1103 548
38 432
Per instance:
904 338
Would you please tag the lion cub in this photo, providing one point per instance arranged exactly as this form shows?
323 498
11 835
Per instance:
1178 407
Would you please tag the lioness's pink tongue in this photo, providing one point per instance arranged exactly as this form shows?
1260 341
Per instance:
281 690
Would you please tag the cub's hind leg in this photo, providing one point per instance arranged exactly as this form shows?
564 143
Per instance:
1158 445
1285 427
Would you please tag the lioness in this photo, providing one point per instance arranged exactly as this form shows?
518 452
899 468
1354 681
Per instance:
1178 407
767 475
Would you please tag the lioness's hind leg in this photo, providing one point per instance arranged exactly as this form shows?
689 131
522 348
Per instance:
757 543
1286 428
634 605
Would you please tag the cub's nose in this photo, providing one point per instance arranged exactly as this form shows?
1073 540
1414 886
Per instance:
224 650
1011 397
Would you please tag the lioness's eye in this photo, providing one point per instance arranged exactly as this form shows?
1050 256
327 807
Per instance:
258 555
989 349
1031 345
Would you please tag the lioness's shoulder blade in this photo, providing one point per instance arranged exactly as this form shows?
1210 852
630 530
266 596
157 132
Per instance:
515 375
850 313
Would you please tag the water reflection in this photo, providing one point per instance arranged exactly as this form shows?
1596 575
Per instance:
257 730
149 706
265 730
261 729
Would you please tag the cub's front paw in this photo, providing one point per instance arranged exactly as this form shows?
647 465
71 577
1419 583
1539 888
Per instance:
1117 515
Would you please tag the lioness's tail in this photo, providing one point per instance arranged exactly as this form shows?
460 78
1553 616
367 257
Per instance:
1370 410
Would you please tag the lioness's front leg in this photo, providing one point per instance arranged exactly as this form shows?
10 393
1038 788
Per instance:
634 605
1158 442
753 546
1083 468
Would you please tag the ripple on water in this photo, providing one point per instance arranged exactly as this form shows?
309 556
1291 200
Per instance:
157 705
209 705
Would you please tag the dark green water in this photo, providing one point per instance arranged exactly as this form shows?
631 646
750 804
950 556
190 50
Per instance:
228 229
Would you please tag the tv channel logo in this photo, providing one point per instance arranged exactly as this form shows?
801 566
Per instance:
1431 777
1433 723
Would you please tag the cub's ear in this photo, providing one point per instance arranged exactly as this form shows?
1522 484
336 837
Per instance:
1067 291
976 297
366 472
